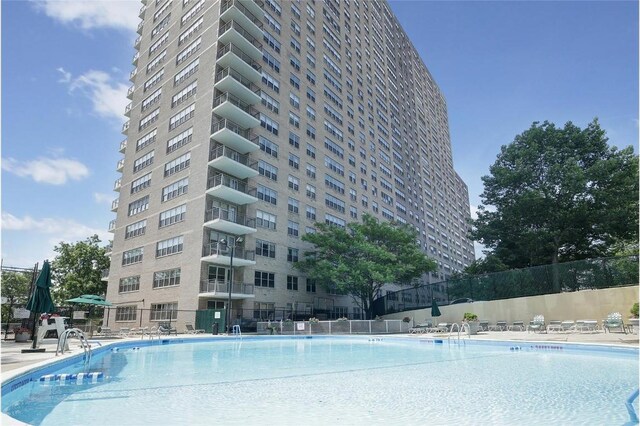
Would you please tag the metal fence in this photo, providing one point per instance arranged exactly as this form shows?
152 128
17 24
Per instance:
534 281
333 327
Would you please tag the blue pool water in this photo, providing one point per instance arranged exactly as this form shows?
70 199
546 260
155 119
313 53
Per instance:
335 380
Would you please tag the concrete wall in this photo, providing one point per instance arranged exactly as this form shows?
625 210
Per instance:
586 304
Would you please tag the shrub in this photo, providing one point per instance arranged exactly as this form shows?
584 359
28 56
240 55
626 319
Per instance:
468 316
406 319
634 310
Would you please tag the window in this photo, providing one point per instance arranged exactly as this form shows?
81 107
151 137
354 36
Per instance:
184 94
334 203
269 124
141 183
334 184
311 95
132 256
311 113
294 161
311 192
333 165
311 171
294 100
264 279
267 170
294 140
164 311
311 151
311 285
135 229
293 229
153 80
129 284
267 194
269 102
293 205
169 247
311 131
270 81
174 215
191 31
270 60
167 278
268 147
186 72
271 41
295 45
292 254
311 213
188 51
182 117
294 120
177 165
333 220
126 313
144 161
149 119
294 81
151 100
147 139
139 205
293 183
265 248
179 141
175 189
292 283
265 220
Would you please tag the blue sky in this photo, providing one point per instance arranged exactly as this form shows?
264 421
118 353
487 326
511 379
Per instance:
500 65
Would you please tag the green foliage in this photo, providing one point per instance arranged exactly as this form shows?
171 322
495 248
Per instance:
468 316
15 288
362 258
74 271
634 310
558 194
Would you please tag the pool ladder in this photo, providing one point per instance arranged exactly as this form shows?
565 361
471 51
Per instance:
235 331
459 328
74 332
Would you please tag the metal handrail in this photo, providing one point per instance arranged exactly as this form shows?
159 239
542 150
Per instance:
234 100
244 33
228 71
225 5
224 151
217 286
230 47
214 249
62 343
225 123
230 216
231 182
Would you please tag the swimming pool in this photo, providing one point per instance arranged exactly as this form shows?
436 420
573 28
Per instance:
324 380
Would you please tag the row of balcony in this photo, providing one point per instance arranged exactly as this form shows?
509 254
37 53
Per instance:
233 32
245 13
230 55
219 254
229 221
230 106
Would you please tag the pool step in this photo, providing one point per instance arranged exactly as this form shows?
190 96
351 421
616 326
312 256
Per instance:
78 379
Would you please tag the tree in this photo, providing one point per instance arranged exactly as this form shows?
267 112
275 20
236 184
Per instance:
362 258
77 269
15 290
558 195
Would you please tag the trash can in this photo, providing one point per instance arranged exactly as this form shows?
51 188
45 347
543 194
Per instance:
214 328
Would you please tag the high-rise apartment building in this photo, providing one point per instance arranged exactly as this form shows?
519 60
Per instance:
248 123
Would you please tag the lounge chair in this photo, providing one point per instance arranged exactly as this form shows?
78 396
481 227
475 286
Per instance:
517 326
554 325
586 326
568 326
124 332
483 326
498 326
537 325
442 327
614 320
164 328
105 332
424 327
191 330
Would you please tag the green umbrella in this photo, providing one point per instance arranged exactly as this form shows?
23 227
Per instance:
40 300
90 299
435 311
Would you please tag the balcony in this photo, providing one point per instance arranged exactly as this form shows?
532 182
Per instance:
108 249
114 204
243 13
125 127
232 162
120 165
123 146
229 106
136 44
142 10
105 275
132 74
219 254
140 26
220 289
130 92
112 226
229 222
117 184
135 58
230 55
229 133
230 80
232 32
231 189
127 109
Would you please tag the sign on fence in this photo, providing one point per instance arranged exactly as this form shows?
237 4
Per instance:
21 313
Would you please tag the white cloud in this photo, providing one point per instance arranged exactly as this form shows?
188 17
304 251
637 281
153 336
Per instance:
54 171
91 14
108 97
474 212
102 198
63 229
66 75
